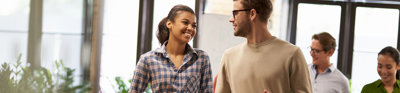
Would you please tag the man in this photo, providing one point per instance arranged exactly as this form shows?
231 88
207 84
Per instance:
325 78
264 62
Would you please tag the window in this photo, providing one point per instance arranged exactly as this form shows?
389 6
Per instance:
365 28
14 16
120 28
313 19
375 28
62 34
161 11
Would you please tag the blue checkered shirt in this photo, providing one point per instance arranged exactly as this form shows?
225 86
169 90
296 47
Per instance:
155 67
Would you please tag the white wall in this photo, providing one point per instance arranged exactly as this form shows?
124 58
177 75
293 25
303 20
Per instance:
215 36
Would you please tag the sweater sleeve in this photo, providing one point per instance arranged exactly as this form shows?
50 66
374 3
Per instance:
222 85
299 76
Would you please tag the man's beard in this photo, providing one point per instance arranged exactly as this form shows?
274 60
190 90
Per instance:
244 29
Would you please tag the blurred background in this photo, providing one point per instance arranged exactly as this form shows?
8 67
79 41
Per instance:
103 39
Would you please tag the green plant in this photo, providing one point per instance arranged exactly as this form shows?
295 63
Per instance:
123 88
350 85
67 81
19 78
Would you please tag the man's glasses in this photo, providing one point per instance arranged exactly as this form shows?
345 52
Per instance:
315 51
234 12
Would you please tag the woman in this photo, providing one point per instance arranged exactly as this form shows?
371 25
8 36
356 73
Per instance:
388 64
176 66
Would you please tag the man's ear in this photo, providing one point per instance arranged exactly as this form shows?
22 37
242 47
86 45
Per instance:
253 14
398 66
331 52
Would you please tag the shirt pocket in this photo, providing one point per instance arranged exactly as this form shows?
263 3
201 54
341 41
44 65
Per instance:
193 84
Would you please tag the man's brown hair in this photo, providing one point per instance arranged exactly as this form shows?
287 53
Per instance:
263 7
326 40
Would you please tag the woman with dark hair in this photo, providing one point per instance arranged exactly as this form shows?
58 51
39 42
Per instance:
175 66
388 64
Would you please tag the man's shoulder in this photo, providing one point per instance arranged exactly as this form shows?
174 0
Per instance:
338 73
234 49
340 77
286 48
284 44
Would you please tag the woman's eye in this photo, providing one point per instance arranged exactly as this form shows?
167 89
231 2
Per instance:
185 22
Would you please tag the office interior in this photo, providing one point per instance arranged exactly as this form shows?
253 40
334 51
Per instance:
101 40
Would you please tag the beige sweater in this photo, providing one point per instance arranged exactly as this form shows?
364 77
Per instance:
274 64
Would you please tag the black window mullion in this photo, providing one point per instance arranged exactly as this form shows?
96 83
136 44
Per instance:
346 41
199 12
145 29
398 33
398 43
87 39
292 24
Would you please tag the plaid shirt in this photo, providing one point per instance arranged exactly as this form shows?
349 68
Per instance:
155 67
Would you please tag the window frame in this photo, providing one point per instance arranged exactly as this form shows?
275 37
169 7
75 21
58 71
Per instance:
347 25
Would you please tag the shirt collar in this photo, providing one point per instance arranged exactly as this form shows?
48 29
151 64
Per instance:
379 83
332 67
329 69
163 49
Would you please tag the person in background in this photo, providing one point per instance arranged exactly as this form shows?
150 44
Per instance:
388 64
263 63
175 66
325 77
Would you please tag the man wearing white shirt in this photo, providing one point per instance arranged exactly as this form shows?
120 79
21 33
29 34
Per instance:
325 78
